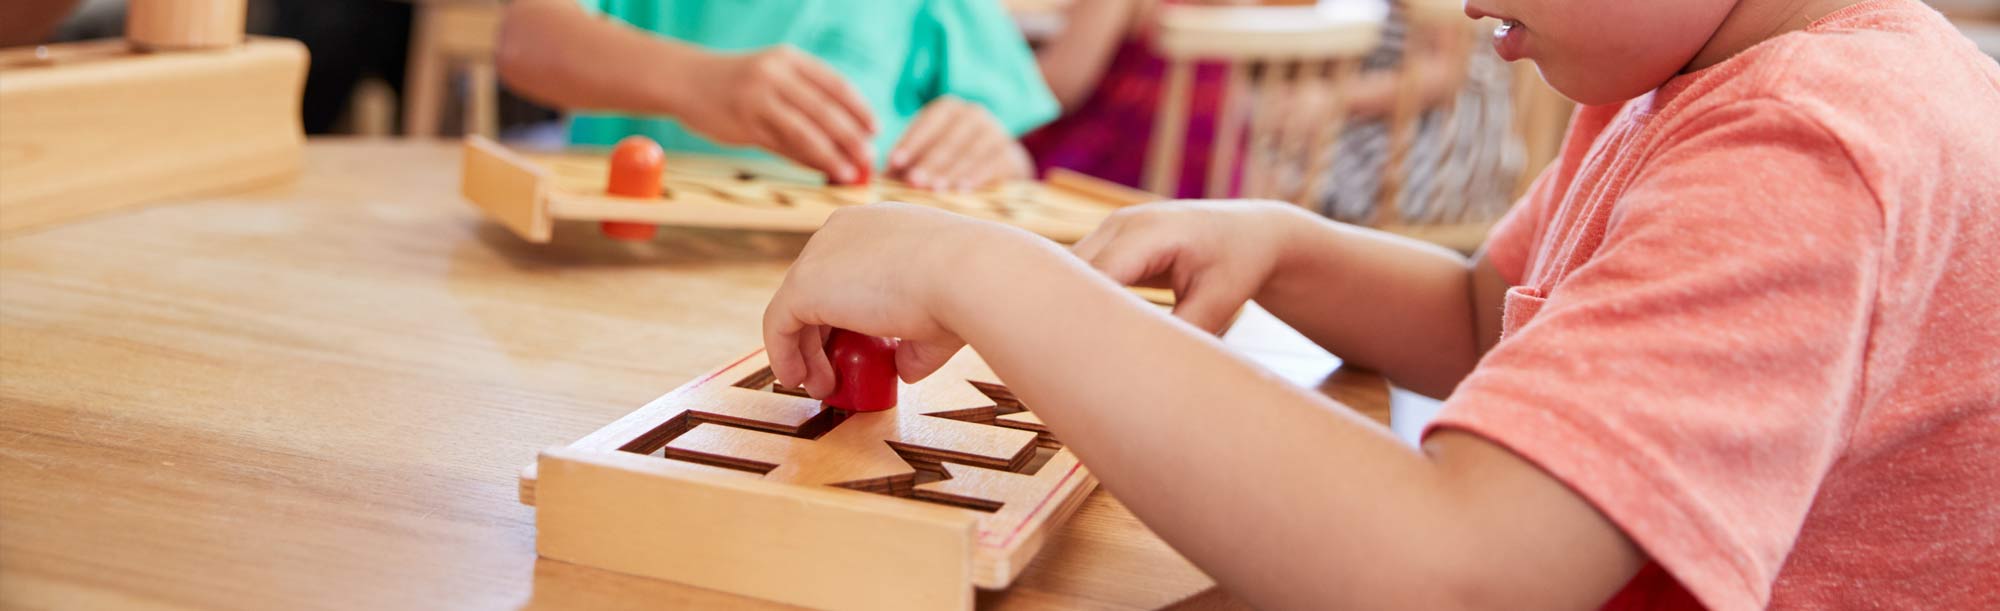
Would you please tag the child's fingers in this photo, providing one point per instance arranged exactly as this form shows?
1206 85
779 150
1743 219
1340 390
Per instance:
970 163
803 141
1207 307
924 132
847 134
796 347
1094 242
1135 259
927 165
781 335
819 381
842 94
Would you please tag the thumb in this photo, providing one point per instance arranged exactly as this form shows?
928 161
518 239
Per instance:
1130 262
1208 307
918 360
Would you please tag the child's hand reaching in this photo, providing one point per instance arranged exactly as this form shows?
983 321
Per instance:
875 270
1213 254
787 102
958 145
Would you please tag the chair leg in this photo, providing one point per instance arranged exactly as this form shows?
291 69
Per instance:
1327 134
1228 133
423 85
482 109
1163 153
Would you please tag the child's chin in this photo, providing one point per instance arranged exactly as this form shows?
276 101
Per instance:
1594 87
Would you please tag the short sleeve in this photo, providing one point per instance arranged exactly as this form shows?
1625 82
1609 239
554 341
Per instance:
1695 378
983 58
1516 233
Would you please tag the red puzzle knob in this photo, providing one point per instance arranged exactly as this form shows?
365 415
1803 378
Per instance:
864 371
636 167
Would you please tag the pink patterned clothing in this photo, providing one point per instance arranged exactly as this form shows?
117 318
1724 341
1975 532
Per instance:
1107 136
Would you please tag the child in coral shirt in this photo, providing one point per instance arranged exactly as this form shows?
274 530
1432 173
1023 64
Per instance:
1738 349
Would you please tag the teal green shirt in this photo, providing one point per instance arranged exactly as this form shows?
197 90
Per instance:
899 54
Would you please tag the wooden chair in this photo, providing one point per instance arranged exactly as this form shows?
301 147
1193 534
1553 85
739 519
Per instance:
1283 105
1433 27
448 36
1276 57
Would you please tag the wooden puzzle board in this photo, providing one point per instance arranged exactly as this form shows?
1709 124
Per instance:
527 191
958 458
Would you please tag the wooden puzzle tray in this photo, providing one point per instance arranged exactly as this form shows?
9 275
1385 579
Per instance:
735 484
527 192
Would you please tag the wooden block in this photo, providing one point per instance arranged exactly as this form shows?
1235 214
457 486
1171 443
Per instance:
178 25
812 546
91 127
508 187
958 444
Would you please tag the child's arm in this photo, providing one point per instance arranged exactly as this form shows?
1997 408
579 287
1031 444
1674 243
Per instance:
1419 314
780 99
1288 499
1074 59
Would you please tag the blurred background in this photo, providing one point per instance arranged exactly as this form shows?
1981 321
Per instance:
1394 114
1390 113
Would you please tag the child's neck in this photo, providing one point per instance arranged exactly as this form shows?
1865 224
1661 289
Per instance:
1755 21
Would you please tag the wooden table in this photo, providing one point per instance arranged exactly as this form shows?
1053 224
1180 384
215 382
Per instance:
319 396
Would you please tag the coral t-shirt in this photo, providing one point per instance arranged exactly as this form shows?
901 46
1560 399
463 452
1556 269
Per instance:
1755 320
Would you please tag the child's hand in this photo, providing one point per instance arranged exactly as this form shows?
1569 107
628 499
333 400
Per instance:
1213 254
875 270
787 102
958 145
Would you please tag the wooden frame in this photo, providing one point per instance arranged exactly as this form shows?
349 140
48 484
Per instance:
1295 52
528 192
95 126
1303 39
734 484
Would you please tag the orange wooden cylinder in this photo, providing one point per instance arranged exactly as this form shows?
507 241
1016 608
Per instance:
176 25
637 164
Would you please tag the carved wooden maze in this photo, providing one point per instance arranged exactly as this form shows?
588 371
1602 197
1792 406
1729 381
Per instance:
733 483
528 192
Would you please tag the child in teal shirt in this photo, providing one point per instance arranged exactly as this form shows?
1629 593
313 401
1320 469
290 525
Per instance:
944 85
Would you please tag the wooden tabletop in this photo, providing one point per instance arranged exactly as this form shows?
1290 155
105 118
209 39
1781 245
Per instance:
320 395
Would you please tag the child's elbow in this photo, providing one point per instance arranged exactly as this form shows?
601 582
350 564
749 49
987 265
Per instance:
1452 586
1463 577
1482 582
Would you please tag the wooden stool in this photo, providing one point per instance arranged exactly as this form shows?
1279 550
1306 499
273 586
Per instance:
186 105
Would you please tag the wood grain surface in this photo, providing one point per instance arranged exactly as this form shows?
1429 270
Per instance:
320 396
